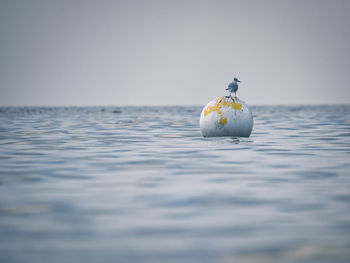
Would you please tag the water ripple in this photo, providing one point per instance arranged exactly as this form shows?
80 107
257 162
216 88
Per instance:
140 184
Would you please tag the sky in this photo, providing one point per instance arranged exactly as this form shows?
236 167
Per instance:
179 52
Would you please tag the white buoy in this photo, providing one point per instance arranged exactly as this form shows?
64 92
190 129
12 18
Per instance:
225 117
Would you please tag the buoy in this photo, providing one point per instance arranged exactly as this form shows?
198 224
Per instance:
225 116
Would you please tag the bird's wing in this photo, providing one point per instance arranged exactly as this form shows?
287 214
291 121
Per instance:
232 85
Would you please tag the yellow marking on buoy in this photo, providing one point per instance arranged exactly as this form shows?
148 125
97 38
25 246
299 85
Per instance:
221 102
236 106
222 120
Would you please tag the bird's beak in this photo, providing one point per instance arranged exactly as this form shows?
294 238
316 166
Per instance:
238 80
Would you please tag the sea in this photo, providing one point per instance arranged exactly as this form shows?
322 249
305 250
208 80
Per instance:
141 184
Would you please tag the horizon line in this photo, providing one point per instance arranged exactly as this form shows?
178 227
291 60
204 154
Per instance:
166 105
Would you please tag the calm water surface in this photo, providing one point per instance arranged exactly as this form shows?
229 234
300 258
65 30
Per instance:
140 184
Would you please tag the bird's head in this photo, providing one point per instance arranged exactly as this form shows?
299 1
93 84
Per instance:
235 79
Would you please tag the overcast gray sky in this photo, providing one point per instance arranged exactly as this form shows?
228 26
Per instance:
70 52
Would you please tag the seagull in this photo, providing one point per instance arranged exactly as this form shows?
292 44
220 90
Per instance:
233 87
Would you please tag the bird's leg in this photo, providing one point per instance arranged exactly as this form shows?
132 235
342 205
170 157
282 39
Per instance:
235 96
232 98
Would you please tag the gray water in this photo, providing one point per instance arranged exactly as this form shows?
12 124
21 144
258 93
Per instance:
140 184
